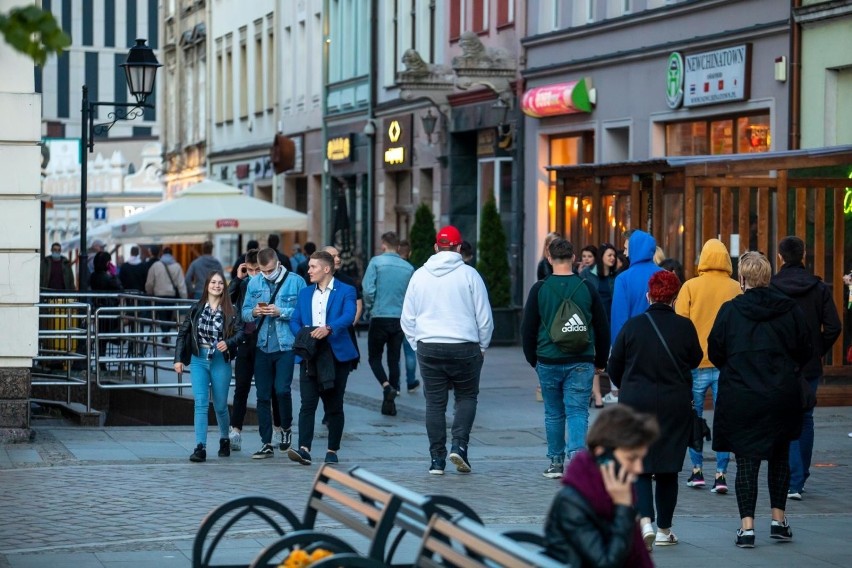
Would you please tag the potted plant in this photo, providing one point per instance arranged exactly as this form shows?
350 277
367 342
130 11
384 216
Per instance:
493 265
422 236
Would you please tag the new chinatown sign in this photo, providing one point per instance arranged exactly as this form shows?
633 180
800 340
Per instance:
562 98
714 77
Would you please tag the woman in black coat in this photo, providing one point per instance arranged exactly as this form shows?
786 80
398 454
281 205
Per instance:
102 282
649 381
759 342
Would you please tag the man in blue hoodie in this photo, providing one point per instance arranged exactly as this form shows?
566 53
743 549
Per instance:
385 282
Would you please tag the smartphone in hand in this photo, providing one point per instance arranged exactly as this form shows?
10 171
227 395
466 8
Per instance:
609 456
262 305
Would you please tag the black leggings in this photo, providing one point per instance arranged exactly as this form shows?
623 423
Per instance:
778 478
665 497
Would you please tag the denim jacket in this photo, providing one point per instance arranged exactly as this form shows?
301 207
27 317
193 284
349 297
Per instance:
259 290
385 283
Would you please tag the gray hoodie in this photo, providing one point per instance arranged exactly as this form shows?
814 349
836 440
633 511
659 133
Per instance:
198 271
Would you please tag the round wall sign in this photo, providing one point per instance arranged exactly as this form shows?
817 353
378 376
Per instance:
674 80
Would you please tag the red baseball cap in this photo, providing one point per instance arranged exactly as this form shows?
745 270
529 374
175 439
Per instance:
448 236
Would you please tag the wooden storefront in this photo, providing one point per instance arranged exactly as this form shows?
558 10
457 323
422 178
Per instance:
749 202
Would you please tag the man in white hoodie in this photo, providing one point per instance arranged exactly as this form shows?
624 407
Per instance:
447 320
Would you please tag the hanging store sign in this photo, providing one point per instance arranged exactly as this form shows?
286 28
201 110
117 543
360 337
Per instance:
714 77
339 149
397 142
562 98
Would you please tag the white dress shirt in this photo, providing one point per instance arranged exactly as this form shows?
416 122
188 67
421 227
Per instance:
319 301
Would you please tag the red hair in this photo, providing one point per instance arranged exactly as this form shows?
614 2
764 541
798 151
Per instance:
663 286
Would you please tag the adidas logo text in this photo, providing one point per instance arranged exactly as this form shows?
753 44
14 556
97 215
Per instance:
574 323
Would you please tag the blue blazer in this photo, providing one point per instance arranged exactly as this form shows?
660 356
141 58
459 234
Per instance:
339 315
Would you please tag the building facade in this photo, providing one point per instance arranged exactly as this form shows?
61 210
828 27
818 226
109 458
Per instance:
708 78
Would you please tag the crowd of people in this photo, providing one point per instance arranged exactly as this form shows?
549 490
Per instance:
597 316
756 343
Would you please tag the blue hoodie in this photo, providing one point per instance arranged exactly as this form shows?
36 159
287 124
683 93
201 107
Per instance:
629 299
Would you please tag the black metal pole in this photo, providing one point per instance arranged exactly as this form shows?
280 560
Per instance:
83 267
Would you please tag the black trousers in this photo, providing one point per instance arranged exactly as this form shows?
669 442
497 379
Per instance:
778 480
385 331
243 373
332 402
665 497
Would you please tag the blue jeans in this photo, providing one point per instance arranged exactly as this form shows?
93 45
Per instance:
802 449
206 375
566 390
703 379
410 362
273 370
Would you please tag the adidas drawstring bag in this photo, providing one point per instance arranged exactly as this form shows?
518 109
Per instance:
569 330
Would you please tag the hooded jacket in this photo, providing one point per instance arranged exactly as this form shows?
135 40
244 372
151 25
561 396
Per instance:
701 297
813 296
759 342
629 299
446 302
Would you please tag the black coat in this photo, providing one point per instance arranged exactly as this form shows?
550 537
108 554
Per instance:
759 342
814 297
649 382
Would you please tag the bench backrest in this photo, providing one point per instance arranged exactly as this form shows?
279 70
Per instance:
465 543
360 506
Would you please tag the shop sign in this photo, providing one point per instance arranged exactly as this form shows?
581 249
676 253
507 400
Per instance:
397 142
718 76
562 98
674 80
485 142
227 223
339 149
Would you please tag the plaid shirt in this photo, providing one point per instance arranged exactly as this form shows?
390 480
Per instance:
210 326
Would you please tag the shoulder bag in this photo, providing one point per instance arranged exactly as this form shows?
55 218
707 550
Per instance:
700 430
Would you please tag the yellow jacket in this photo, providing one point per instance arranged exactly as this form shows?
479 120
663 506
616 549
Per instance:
701 297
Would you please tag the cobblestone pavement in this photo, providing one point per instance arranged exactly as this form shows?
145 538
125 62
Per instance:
128 496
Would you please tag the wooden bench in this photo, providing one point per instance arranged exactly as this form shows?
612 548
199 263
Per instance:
463 543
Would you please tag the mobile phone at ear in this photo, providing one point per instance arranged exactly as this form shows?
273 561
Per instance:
609 456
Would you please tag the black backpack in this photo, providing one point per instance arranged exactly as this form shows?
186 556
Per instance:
569 329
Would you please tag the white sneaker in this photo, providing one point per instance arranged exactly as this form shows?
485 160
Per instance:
648 536
610 398
236 439
850 434
664 539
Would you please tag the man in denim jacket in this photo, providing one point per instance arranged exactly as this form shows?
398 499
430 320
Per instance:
274 358
385 283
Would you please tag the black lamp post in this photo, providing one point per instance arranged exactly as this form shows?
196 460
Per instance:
141 70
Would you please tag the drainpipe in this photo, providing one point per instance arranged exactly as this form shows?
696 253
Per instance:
327 199
795 103
372 82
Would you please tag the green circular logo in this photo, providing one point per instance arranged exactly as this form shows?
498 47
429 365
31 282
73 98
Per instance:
674 80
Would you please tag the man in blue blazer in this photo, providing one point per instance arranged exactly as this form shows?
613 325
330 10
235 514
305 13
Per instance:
328 306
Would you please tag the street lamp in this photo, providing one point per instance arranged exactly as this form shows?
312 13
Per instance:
140 69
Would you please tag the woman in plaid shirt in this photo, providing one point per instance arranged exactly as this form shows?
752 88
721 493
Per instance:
207 341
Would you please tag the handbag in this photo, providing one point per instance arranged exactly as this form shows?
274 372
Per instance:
700 431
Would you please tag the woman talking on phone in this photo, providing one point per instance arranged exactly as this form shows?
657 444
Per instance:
650 362
206 341
592 520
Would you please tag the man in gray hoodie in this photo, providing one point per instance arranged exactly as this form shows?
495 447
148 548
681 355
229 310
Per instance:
200 268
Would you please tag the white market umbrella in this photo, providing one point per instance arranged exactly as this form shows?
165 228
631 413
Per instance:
209 207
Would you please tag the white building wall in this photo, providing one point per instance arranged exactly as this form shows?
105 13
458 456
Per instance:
299 67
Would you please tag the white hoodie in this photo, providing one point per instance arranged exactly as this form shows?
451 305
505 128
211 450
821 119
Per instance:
446 302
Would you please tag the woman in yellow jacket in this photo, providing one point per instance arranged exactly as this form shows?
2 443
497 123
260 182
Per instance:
699 300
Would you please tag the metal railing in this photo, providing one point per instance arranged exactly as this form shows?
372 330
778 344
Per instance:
120 339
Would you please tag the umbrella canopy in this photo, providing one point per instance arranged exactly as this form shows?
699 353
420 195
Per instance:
210 207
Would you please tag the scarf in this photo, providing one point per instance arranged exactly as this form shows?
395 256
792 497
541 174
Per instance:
584 476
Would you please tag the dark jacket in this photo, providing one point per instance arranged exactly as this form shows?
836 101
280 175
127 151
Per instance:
134 276
649 382
814 297
186 344
605 285
542 305
585 528
759 342
105 283
67 273
544 269
318 358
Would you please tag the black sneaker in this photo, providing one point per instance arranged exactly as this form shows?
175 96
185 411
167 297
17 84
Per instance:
720 485
388 403
285 439
199 455
301 455
437 466
696 480
555 470
413 386
745 539
264 452
781 531
331 457
458 456
224 447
